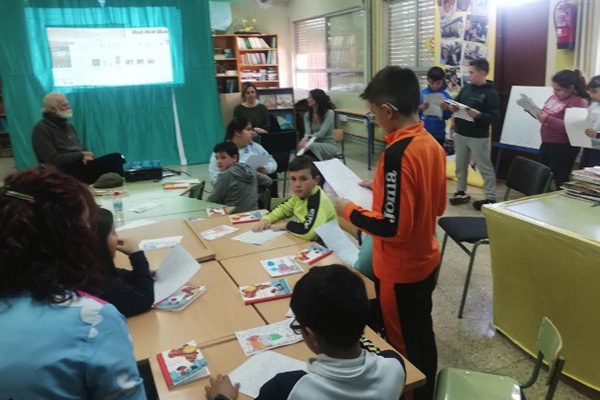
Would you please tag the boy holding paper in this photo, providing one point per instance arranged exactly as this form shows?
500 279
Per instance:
432 97
331 308
309 204
409 193
473 135
238 184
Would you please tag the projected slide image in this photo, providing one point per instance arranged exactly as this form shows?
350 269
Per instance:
110 56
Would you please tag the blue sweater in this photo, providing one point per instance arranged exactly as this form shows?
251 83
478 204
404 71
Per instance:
435 125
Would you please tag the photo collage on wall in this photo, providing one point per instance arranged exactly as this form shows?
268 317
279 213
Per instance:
464 26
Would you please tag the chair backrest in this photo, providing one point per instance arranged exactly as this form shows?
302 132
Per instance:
549 341
197 191
528 177
264 199
275 127
338 135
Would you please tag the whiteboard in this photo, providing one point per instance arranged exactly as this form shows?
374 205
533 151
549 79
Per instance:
520 128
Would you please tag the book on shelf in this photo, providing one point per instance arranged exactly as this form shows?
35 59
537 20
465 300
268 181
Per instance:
285 101
286 121
268 100
265 291
252 43
273 42
312 254
183 364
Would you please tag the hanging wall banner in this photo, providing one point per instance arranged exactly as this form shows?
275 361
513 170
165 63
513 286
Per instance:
464 31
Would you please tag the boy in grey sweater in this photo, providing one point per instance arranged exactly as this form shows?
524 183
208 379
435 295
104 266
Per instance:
238 183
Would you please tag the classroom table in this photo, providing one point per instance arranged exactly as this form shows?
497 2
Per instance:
224 357
545 251
171 206
224 247
172 227
247 270
211 318
361 114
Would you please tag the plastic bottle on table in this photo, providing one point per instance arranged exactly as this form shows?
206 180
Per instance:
117 207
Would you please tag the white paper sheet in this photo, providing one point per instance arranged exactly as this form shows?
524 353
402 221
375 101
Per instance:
308 144
256 161
174 272
337 240
261 368
135 224
345 182
462 110
434 100
258 238
145 207
160 243
576 122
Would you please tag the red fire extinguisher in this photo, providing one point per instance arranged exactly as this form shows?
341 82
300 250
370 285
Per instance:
565 22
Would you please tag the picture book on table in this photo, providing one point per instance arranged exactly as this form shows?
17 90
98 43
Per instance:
277 289
267 337
312 254
181 298
281 266
211 211
176 185
217 232
183 364
250 216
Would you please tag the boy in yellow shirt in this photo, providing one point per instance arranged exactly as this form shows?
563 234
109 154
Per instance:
309 204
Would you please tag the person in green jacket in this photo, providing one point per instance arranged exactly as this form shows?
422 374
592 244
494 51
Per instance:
309 204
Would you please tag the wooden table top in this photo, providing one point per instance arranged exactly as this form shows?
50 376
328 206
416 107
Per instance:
212 317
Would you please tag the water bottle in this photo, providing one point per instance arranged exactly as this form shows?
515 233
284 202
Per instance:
117 208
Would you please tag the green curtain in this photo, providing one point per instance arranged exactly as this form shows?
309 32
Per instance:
136 121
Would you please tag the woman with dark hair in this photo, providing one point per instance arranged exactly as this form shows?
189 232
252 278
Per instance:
318 125
131 292
57 341
556 151
239 131
250 109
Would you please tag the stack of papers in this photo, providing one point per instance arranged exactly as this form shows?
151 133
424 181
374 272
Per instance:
217 232
462 110
160 243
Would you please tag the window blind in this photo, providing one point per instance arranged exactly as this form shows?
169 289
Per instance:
411 27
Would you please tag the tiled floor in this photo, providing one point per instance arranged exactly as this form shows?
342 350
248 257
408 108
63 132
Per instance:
470 342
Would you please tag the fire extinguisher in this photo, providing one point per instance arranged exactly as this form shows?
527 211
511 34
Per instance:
565 22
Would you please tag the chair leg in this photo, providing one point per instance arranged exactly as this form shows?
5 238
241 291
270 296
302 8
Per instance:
443 247
468 278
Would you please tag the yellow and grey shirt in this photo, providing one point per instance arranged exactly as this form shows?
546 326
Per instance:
311 212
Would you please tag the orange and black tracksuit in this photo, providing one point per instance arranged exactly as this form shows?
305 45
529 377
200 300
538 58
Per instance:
409 193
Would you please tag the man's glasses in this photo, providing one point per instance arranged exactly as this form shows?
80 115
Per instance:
371 114
296 327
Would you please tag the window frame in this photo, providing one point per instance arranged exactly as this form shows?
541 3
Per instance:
333 71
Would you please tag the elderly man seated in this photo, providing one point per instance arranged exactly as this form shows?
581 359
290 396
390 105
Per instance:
55 142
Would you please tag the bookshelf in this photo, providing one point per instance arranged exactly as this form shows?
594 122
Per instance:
280 103
246 58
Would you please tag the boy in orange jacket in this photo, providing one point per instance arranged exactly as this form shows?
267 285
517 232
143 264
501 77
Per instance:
409 193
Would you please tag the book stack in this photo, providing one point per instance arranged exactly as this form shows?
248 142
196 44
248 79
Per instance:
585 184
251 43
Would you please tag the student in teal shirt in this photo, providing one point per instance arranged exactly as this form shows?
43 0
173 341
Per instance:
56 341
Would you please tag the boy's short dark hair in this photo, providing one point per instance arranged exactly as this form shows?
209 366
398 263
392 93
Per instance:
332 301
227 147
395 85
302 162
235 125
481 64
436 74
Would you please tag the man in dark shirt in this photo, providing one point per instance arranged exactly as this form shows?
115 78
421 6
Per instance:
55 142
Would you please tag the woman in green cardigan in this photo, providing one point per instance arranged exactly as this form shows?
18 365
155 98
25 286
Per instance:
252 111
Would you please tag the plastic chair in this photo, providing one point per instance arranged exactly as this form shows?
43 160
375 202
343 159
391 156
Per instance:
338 136
455 384
264 199
196 191
526 176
